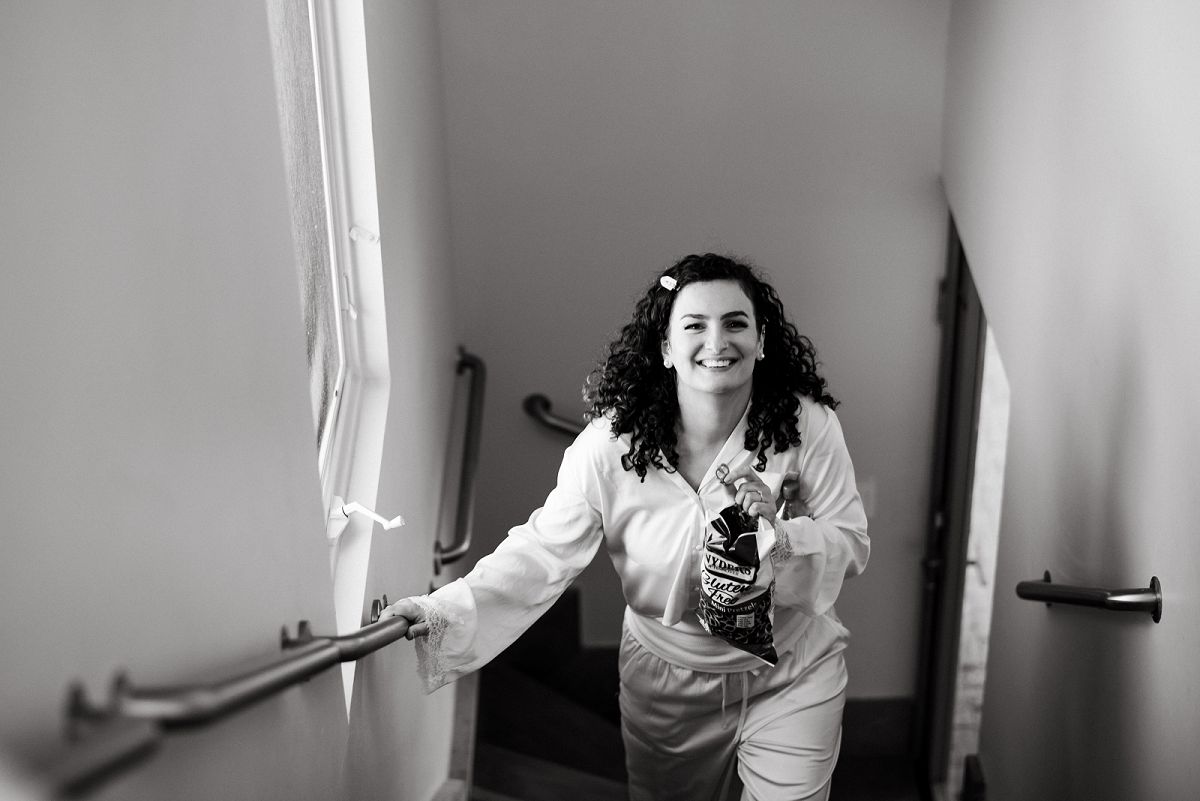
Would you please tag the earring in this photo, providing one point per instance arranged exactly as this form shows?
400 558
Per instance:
667 362
761 355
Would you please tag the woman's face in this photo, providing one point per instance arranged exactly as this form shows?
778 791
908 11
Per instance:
713 338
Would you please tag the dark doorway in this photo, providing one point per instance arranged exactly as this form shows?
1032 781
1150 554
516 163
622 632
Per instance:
967 481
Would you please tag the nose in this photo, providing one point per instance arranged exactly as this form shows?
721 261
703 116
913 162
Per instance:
715 341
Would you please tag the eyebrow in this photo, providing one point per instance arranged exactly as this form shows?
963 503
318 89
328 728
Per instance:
724 316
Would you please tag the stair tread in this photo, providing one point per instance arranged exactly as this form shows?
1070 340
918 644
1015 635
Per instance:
483 794
521 714
529 778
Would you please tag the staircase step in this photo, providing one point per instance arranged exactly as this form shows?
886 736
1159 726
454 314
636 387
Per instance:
520 776
519 713
480 794
878 778
590 678
555 632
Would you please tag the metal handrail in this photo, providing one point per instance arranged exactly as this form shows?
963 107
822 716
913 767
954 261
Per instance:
538 407
196 704
357 644
111 746
110 737
1138 599
464 518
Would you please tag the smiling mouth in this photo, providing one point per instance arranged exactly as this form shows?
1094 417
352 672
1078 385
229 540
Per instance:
716 364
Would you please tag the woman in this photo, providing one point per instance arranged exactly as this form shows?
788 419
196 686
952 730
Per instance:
708 400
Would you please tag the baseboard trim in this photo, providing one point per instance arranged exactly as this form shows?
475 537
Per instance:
452 790
462 741
457 786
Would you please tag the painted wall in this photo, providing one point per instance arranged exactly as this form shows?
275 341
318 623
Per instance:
1071 168
163 512
592 144
163 508
399 737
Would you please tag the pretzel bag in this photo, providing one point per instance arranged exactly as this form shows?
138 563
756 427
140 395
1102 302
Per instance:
737 584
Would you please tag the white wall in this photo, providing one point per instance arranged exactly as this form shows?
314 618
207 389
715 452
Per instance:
592 144
400 738
1071 168
163 512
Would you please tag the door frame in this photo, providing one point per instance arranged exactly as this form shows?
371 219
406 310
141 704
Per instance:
960 374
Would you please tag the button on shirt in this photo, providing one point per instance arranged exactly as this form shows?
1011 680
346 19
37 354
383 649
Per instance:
654 532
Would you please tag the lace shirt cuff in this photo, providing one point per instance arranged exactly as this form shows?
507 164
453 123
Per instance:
433 663
781 551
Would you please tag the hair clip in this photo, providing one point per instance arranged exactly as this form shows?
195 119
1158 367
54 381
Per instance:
668 283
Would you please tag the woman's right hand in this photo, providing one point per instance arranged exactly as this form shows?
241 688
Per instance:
418 626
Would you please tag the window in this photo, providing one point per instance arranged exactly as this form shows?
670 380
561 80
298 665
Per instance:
300 123
325 118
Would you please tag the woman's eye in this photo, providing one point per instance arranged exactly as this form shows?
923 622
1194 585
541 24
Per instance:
737 325
693 327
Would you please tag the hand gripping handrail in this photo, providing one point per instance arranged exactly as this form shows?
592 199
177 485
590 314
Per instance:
537 406
1138 599
464 517
357 644
110 737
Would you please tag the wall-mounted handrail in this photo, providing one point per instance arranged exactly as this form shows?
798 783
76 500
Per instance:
464 517
196 704
108 738
110 747
538 407
357 644
1138 599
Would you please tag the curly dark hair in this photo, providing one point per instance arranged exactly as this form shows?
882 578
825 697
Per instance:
633 388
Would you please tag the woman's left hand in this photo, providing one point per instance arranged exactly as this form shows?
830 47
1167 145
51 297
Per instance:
752 493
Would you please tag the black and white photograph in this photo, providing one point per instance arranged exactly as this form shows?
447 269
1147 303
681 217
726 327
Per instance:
600 400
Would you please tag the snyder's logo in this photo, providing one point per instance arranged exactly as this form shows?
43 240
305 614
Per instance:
715 563
730 564
728 592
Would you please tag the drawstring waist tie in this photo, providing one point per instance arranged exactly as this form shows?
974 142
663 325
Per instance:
726 678
745 688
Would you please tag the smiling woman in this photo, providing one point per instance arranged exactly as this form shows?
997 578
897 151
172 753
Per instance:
713 340
643 398
707 401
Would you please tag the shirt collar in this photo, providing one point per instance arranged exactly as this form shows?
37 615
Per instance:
733 454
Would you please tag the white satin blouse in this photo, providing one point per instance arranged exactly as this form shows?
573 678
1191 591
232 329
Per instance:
654 531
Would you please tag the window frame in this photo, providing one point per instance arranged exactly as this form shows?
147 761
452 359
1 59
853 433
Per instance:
351 454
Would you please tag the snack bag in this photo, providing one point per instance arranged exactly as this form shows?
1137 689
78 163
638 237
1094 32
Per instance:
737 583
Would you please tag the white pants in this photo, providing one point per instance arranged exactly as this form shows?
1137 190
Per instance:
772 733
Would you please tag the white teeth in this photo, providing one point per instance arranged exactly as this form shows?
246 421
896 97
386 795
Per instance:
716 362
